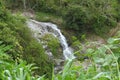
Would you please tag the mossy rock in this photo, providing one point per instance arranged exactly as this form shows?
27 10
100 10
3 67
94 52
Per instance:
53 44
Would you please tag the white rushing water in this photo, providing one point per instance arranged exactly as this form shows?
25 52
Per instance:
43 27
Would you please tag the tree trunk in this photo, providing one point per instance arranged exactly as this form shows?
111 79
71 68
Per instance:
24 4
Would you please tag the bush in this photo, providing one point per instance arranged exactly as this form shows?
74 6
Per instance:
103 64
13 31
118 9
14 70
89 15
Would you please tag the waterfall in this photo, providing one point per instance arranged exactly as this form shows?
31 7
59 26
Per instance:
43 27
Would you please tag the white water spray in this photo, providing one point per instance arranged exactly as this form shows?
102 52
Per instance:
42 27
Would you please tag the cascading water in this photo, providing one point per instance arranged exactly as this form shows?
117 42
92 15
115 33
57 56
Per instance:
42 27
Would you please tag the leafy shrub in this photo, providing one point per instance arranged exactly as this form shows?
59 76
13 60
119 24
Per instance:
89 15
118 9
13 31
103 64
14 70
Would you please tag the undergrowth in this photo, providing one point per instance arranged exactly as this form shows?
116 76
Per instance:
104 65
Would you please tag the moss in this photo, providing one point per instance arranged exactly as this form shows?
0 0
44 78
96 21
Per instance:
47 17
53 44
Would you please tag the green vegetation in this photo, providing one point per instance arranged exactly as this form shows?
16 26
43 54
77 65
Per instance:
23 58
103 65
93 16
48 17
14 70
79 15
53 44
13 31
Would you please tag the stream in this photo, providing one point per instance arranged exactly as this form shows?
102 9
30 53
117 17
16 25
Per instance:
41 28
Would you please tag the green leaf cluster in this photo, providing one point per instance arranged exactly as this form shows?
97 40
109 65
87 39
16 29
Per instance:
92 15
14 31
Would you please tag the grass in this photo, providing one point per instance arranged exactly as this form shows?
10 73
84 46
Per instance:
47 17
104 65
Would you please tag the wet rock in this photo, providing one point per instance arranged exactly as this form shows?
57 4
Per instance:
42 32
58 65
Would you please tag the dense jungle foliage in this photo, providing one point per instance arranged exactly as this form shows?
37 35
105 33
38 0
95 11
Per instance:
23 58
81 15
13 31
